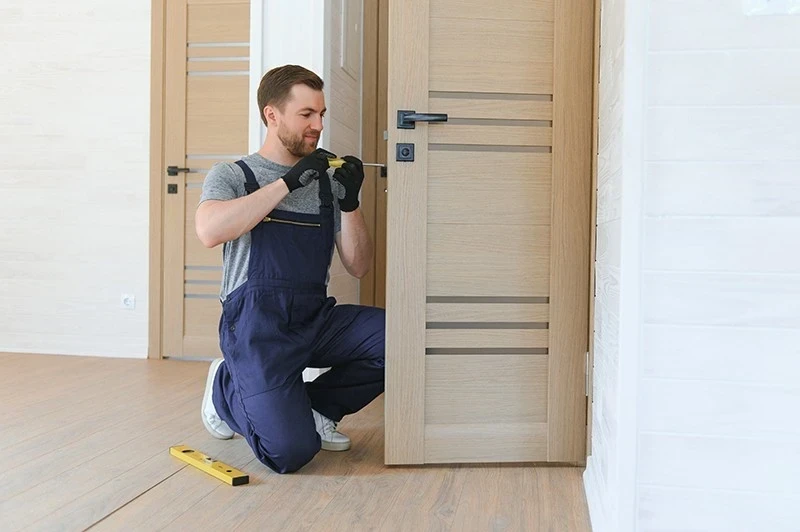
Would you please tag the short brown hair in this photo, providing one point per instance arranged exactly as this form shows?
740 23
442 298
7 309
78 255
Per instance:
276 86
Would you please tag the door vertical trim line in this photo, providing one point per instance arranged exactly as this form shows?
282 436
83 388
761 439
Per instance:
571 221
369 140
174 205
409 41
155 291
255 126
593 248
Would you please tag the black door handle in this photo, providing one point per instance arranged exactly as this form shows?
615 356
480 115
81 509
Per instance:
173 170
407 119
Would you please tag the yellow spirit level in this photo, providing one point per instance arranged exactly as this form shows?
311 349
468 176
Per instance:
224 472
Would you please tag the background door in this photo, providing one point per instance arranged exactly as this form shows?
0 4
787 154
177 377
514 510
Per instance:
489 230
206 114
207 92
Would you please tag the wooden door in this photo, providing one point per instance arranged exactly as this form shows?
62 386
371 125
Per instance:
207 95
489 231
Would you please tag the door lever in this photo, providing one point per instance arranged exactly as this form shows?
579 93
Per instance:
408 119
173 170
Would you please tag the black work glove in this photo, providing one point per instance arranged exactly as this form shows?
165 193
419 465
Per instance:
307 169
350 176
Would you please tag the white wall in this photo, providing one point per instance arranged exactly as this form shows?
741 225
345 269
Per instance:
601 477
698 270
74 176
719 439
276 41
610 474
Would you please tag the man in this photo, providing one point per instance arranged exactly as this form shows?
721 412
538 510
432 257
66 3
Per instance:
278 214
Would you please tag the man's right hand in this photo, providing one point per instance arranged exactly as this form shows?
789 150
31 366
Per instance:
307 169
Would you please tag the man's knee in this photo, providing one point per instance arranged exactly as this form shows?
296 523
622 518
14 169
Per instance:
289 455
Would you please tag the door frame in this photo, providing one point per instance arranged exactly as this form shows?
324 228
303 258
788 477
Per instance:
373 147
157 177
593 219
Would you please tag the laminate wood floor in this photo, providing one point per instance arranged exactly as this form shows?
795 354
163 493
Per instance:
84 444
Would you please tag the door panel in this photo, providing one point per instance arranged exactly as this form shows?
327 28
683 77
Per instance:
487 262
507 423
455 380
218 21
485 442
511 56
482 338
497 312
521 10
216 110
206 121
491 106
483 134
528 174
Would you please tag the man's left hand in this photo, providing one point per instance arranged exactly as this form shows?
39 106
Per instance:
350 175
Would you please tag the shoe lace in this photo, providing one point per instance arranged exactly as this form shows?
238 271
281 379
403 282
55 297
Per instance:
330 427
326 426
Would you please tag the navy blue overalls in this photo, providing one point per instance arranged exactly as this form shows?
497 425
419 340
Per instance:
281 321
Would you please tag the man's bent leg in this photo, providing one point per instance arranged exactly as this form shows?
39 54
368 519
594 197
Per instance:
352 344
277 424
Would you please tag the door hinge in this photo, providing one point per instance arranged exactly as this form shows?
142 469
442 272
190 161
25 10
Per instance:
586 375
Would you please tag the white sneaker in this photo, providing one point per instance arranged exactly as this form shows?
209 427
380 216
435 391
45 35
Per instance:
332 440
218 428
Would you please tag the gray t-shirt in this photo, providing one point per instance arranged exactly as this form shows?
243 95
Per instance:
225 181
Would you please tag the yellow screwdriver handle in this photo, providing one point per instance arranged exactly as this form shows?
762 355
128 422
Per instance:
338 162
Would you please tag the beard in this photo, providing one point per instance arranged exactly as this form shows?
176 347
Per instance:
296 143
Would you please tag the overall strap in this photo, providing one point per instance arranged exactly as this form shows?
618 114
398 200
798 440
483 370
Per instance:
325 193
250 185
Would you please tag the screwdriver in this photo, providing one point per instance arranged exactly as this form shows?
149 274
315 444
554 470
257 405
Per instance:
337 163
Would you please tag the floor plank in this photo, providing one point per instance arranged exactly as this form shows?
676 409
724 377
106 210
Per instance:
363 500
428 500
117 435
157 507
104 465
31 440
289 502
311 503
34 395
77 455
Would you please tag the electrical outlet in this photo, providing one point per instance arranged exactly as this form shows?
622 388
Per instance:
128 301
